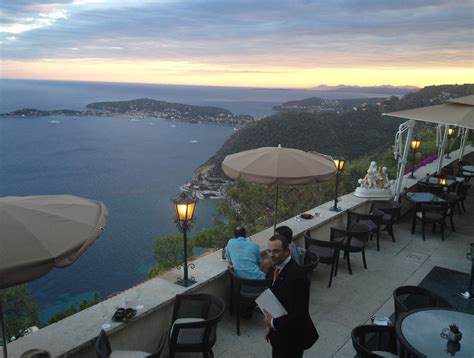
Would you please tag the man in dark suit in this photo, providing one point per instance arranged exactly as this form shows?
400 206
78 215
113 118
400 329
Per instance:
294 332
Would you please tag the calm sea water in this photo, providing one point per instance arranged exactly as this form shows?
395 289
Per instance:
133 167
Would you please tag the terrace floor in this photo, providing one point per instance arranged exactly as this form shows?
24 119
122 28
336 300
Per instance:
352 300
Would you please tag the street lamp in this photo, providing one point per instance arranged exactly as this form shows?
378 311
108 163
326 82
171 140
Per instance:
185 205
339 164
451 133
415 144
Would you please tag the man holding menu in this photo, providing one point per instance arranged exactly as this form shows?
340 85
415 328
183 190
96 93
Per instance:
293 332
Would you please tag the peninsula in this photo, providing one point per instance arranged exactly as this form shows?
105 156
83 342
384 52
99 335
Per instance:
145 108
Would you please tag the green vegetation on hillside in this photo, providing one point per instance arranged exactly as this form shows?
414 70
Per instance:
350 134
362 136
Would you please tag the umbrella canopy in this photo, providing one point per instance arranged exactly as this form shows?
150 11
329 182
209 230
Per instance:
459 112
270 165
39 233
277 165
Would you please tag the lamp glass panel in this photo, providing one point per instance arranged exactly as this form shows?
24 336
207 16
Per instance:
185 211
451 132
339 163
415 143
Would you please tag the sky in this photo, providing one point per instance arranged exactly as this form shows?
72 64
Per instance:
258 43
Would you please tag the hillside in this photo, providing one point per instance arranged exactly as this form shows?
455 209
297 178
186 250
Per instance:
316 105
350 134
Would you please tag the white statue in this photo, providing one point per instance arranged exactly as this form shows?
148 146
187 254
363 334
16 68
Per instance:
375 183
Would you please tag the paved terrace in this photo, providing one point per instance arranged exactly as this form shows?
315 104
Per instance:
351 300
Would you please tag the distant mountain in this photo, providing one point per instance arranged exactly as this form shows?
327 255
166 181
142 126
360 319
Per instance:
351 134
384 89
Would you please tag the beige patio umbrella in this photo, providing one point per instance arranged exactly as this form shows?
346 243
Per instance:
277 165
39 233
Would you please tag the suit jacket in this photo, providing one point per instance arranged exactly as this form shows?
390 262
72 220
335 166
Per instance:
294 331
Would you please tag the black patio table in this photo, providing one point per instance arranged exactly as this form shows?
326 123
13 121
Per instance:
468 168
419 332
450 183
418 198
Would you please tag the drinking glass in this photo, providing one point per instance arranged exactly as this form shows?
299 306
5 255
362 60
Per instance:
105 316
138 292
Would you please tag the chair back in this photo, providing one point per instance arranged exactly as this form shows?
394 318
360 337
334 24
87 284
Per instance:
375 218
388 207
200 314
357 231
102 345
408 298
440 208
238 281
334 244
463 189
369 338
311 261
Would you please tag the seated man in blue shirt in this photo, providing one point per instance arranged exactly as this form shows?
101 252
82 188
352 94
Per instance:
244 256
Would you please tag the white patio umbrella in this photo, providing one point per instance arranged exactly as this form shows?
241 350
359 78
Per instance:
39 233
277 165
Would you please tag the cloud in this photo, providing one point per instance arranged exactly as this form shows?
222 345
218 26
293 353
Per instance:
245 34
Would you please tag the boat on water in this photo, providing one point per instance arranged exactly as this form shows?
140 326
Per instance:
54 121
185 188
199 195
194 141
173 126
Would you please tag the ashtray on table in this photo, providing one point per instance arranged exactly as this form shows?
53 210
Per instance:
306 216
122 314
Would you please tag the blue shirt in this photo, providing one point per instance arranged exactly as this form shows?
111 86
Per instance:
245 258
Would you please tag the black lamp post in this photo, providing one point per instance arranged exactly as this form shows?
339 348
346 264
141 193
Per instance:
451 133
339 163
415 144
185 206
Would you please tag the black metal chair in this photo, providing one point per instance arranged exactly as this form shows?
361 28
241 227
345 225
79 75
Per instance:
436 189
372 341
372 221
244 292
104 350
408 298
194 324
433 214
462 193
311 261
453 200
392 211
354 240
327 251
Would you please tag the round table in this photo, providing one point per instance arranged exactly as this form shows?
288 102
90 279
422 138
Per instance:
419 332
467 168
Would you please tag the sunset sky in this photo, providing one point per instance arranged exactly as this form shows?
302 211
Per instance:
258 43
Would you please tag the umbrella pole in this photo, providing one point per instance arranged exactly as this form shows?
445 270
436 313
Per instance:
276 210
4 333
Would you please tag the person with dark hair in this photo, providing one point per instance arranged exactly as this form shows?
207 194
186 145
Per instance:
297 253
291 334
244 256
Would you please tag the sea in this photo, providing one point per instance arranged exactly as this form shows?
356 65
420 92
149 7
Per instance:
133 167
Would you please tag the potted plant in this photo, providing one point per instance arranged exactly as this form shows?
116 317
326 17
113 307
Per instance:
454 333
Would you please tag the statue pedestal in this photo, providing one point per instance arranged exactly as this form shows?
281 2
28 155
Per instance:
373 193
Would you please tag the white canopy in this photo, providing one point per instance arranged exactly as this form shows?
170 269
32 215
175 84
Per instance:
454 113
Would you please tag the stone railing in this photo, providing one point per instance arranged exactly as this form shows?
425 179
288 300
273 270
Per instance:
75 336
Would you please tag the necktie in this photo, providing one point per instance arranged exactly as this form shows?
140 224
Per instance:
276 272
